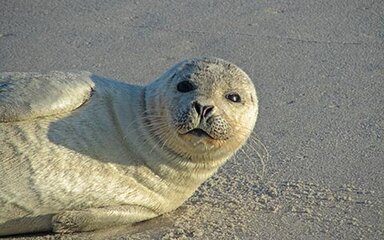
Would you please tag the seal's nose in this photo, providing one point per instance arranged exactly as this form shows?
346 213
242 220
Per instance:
204 111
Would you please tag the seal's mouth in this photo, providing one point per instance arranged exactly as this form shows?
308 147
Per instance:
199 133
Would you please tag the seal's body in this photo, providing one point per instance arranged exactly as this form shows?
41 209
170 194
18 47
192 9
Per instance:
80 152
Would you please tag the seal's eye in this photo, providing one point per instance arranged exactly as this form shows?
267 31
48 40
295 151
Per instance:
185 86
234 97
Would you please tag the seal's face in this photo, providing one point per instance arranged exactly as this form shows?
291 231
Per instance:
211 107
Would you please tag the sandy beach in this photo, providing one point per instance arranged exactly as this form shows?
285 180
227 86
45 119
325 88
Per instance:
318 67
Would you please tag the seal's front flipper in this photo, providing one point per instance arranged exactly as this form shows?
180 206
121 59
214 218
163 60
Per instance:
99 218
25 96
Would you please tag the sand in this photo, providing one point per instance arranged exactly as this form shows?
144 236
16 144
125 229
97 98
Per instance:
319 70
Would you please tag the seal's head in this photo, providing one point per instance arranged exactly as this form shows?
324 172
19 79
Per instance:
203 109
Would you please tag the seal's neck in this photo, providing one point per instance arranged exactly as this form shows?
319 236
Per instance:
156 165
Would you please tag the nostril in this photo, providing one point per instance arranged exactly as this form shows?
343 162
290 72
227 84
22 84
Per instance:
207 111
203 111
197 107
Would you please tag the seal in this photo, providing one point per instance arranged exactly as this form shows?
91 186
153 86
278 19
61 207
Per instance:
82 152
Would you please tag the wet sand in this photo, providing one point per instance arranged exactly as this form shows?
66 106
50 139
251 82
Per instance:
319 71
